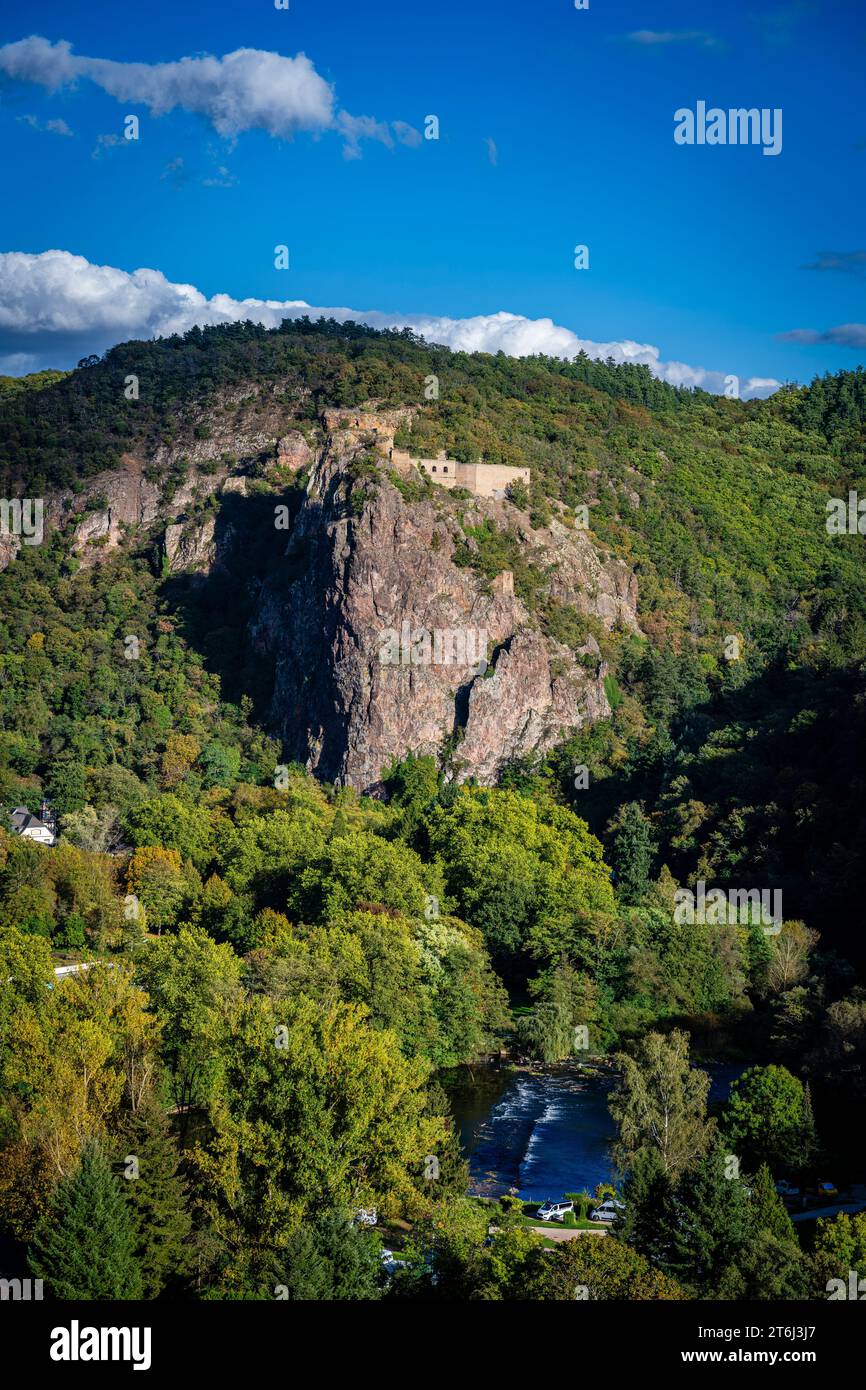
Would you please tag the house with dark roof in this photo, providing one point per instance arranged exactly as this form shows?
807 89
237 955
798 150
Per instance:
25 823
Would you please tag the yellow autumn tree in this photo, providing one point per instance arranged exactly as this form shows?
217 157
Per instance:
156 877
181 751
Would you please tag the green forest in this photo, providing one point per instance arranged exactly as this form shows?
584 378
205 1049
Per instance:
282 983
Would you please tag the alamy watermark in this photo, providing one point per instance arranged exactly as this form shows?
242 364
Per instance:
439 646
736 906
846 518
22 516
20 1290
737 126
854 1289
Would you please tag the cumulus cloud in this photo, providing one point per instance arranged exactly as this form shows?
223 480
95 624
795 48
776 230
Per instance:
112 141
851 335
56 307
249 89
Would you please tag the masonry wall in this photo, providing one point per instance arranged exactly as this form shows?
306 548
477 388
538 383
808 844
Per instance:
485 479
482 479
443 471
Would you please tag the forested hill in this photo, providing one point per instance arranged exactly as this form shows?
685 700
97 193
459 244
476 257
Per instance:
740 769
720 503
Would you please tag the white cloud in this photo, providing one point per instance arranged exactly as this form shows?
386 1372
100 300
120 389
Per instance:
249 89
354 129
407 134
53 127
56 308
19 364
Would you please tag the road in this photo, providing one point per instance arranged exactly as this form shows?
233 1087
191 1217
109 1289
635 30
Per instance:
856 1202
559 1233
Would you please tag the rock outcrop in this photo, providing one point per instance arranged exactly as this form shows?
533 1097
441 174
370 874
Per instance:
382 644
190 547
116 501
10 545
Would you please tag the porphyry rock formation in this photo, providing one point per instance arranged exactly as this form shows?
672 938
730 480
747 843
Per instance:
382 644
381 637
115 500
10 545
190 547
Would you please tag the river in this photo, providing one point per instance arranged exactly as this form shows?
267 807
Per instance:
544 1133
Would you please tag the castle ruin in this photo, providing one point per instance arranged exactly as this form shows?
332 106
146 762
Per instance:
481 479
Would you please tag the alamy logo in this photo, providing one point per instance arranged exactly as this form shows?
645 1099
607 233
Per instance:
737 126
22 516
20 1290
846 519
77 1343
439 646
737 907
855 1289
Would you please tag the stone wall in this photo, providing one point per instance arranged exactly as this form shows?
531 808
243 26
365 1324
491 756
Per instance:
486 479
481 479
441 470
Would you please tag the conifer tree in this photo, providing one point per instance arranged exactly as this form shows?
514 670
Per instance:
712 1225
632 853
767 1208
650 1220
84 1246
156 1196
331 1259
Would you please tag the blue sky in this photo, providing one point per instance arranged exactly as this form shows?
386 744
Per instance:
698 250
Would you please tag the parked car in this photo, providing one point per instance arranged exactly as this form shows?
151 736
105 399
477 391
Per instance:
390 1263
826 1189
366 1216
554 1211
787 1189
607 1211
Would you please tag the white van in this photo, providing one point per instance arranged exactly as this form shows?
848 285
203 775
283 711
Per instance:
554 1211
607 1211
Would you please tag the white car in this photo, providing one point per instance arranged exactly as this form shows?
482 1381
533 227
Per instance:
787 1189
607 1211
390 1264
554 1211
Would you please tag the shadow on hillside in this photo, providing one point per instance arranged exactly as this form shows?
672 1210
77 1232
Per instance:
775 787
214 611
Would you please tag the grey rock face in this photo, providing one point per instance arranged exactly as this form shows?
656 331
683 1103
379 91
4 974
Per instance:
383 645
380 642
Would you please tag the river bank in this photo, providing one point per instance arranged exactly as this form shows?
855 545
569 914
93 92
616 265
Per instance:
542 1132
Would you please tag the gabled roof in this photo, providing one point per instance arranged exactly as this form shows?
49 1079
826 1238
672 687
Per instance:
22 820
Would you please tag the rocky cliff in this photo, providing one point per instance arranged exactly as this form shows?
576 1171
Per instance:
382 644
382 636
